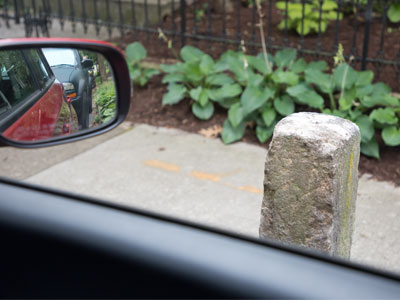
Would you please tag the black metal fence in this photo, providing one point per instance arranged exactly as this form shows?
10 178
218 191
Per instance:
361 26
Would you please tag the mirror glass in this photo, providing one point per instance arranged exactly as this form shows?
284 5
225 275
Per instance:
53 92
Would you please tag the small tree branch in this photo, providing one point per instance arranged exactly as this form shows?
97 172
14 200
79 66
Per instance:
263 43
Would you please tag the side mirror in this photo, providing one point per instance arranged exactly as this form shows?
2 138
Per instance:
60 108
87 63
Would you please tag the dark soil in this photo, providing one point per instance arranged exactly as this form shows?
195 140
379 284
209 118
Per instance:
350 35
146 108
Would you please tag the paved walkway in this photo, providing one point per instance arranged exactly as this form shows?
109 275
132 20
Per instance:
55 30
192 177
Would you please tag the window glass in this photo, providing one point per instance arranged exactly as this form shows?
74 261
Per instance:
40 68
16 80
60 56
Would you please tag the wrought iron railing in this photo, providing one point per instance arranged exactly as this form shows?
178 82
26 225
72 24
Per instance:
364 33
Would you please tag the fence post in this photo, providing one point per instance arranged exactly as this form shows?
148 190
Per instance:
368 17
183 22
310 184
16 11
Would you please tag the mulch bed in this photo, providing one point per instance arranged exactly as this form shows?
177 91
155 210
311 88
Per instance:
146 108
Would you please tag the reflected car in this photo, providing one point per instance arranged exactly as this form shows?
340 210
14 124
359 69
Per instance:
73 72
33 105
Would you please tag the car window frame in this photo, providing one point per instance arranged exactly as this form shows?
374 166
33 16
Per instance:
49 71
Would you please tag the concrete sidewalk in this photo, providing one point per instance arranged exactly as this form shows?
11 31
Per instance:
171 172
192 177
56 30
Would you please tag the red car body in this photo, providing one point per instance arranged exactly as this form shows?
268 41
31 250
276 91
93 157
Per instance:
44 113
39 122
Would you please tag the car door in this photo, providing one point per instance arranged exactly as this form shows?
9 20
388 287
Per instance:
34 97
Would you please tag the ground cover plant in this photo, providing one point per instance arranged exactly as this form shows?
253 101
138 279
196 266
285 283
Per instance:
135 53
105 102
199 78
317 15
258 91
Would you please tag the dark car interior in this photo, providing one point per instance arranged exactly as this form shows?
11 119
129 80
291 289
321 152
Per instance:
59 246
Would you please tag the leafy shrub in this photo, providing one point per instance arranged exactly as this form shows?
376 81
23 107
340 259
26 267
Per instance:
343 92
369 105
260 90
135 53
197 77
313 21
104 99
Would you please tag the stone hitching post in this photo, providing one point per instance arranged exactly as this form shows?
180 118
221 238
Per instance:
310 184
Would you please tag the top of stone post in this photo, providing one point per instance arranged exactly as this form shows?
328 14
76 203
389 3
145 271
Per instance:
330 130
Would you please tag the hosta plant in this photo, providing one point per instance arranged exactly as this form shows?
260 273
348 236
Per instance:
272 87
277 86
135 53
199 78
317 15
370 106
258 91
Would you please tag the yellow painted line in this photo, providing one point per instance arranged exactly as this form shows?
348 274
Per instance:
211 176
250 189
203 175
162 165
206 176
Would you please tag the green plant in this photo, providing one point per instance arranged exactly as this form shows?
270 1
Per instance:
270 92
378 7
105 101
274 90
199 78
200 12
316 17
259 90
267 88
135 53
394 12
370 106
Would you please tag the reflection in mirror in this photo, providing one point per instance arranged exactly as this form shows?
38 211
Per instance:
53 92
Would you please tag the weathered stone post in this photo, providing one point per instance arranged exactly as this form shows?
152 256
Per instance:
310 184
